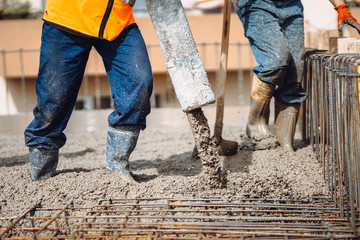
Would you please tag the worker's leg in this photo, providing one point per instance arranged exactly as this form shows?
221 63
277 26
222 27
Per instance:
257 126
289 93
271 52
264 26
292 26
63 58
129 72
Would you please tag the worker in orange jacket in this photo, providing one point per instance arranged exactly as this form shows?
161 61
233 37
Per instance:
275 30
71 29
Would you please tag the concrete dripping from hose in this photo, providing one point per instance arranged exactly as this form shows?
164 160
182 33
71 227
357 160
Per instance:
206 148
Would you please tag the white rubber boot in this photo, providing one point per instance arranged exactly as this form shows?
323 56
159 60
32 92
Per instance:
121 141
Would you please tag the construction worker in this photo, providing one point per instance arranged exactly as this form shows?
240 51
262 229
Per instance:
70 30
275 30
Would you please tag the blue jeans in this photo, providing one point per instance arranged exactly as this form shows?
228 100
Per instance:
63 58
275 30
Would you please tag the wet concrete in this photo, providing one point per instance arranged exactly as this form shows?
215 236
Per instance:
161 162
206 148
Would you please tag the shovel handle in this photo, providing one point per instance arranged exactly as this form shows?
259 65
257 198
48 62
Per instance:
221 81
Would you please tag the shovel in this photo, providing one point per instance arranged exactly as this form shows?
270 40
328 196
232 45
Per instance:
224 147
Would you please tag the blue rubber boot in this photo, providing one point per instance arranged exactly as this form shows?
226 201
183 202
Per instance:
43 163
120 143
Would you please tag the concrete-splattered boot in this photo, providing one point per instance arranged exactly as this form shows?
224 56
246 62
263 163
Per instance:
286 116
43 163
257 126
120 143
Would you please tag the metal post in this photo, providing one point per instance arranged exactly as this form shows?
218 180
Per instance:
23 83
3 53
97 85
152 98
240 76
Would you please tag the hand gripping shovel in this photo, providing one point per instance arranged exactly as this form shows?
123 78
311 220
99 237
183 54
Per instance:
225 147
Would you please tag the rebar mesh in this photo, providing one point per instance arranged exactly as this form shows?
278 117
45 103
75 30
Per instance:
331 124
184 219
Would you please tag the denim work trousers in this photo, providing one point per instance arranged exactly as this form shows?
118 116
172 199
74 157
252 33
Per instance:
275 30
63 59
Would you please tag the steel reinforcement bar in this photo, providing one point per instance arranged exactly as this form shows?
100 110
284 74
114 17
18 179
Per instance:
332 126
184 219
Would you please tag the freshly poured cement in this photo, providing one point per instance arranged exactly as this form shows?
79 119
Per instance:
206 148
163 165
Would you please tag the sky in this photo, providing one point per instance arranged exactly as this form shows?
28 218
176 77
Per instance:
320 13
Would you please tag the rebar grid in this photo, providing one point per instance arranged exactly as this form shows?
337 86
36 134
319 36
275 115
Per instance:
331 125
184 219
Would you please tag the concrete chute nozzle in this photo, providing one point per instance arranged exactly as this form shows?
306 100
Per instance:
182 58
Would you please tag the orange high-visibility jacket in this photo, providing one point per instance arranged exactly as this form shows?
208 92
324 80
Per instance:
103 19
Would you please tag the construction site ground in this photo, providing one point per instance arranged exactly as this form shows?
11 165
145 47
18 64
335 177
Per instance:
162 163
